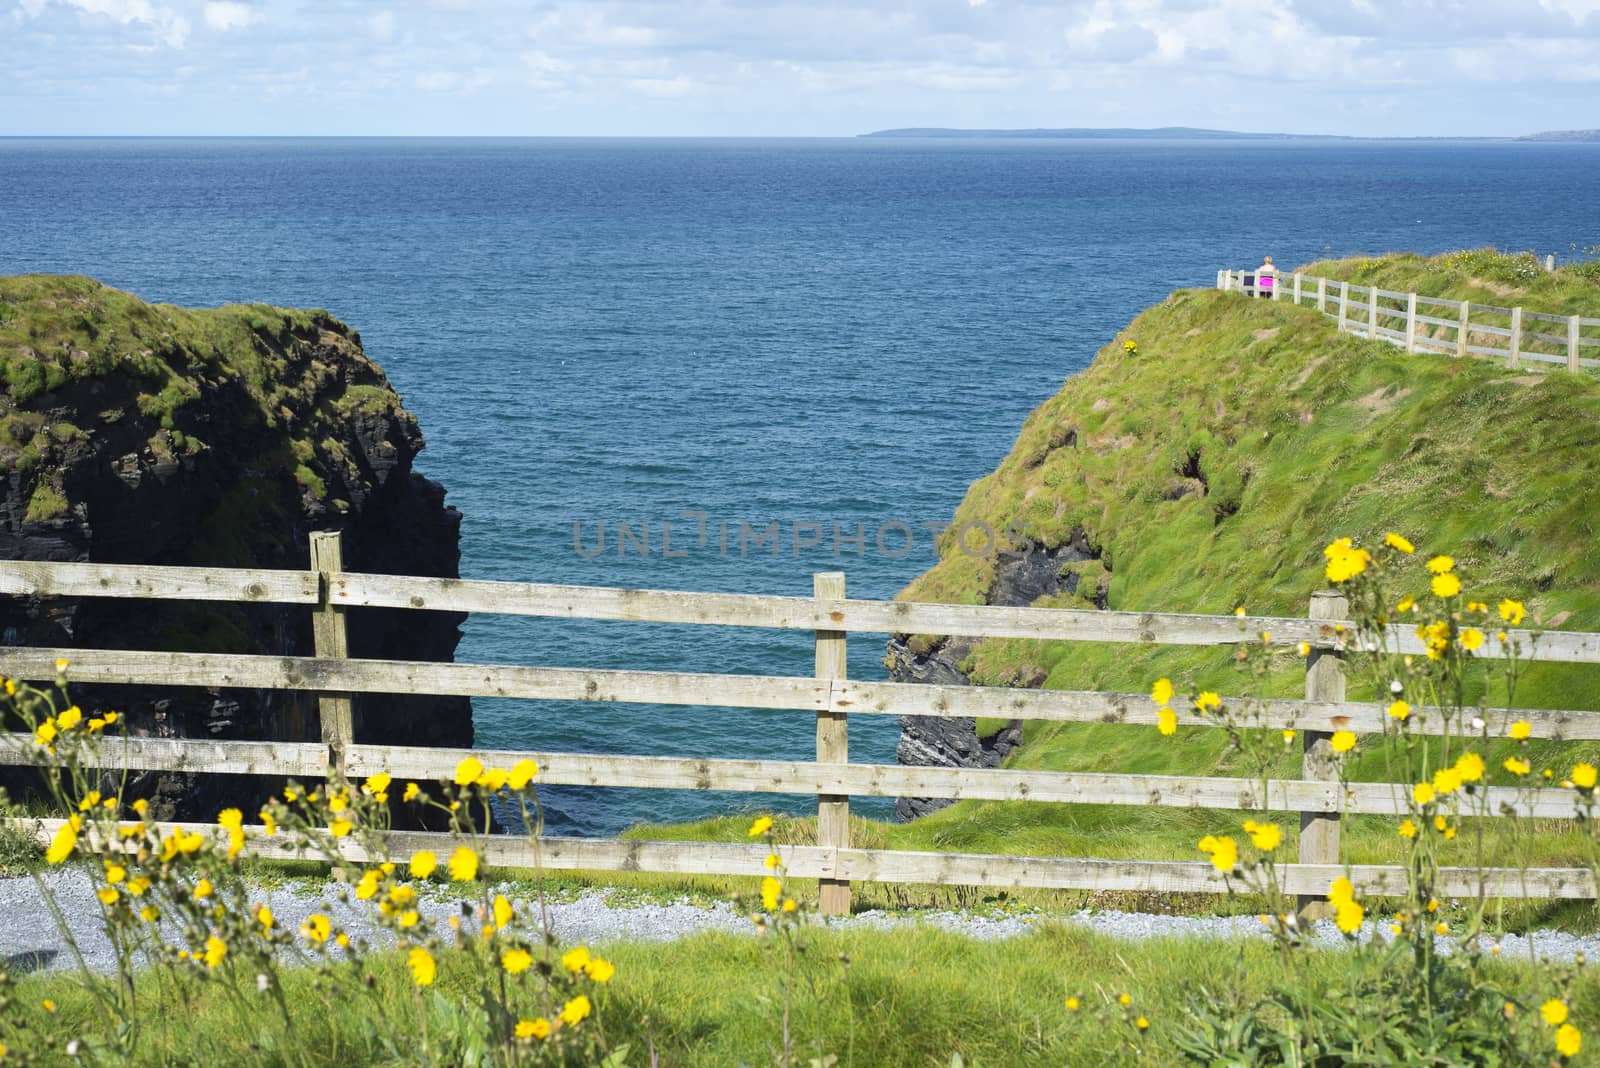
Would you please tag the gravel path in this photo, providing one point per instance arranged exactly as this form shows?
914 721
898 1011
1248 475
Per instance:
29 940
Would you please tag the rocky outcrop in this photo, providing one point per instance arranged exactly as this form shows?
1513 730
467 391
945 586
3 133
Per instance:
132 433
1021 577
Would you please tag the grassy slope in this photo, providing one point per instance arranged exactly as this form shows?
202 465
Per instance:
1302 434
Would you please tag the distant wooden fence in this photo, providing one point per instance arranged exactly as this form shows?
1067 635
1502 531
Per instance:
1432 324
328 590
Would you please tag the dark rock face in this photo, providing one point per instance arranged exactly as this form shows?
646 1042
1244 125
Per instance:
280 428
953 742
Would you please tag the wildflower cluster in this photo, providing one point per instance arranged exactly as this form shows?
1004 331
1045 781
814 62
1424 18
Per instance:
180 915
1443 749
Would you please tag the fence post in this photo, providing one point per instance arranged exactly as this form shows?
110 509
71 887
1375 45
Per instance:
1322 294
1221 280
1319 831
1411 322
1516 337
1297 289
1372 310
1277 286
1463 329
329 640
1550 262
833 747
1572 343
1344 304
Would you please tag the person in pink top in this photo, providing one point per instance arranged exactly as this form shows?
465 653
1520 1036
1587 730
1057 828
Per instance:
1266 278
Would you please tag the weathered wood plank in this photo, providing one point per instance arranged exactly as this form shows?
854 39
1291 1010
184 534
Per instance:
1319 831
26 578
883 617
813 862
305 759
736 691
989 784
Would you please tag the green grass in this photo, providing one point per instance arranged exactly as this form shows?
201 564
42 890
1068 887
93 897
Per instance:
911 997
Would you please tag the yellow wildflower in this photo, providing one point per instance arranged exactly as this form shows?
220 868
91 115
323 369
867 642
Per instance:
522 773
115 873
770 891
494 779
1583 776
1518 767
1408 829
1345 561
45 733
516 961
1304 648
1167 721
600 971
70 718
1142 1024
1407 603
368 884
1208 701
340 828
463 864
1224 852
1264 836
1441 565
761 826
1422 793
1554 1012
264 918
64 842
535 1028
423 864
202 889
268 824
1446 586
1073 1004
1521 730
1471 639
772 862
1569 1040
1447 780
108 895
1470 767
317 928
377 784
1162 692
1512 611
412 790
575 1010
576 959
502 912
1348 916
1395 541
420 961
1342 741
216 950
469 771
1399 710
1125 999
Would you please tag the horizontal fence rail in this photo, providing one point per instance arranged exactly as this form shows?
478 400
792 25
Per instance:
329 591
1421 323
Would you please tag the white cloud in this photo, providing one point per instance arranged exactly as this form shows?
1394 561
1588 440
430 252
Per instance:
662 87
229 15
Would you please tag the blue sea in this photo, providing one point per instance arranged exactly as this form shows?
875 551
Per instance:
795 331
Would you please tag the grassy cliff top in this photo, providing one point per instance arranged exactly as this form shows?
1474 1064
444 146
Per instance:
57 330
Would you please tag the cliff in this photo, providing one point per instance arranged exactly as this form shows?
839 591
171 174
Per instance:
1207 468
139 433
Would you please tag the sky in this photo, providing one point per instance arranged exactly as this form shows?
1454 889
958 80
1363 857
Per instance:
794 68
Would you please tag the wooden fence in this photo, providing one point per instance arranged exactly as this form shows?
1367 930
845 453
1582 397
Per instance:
327 591
1432 324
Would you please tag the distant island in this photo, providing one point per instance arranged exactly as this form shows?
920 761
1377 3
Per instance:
1190 133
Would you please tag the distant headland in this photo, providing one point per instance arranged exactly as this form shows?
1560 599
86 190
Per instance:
1190 133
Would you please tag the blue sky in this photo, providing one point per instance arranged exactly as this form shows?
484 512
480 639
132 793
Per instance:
829 67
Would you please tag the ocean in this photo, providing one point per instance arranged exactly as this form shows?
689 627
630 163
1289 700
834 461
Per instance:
831 332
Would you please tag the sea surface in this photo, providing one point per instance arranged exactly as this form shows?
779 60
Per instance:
802 331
